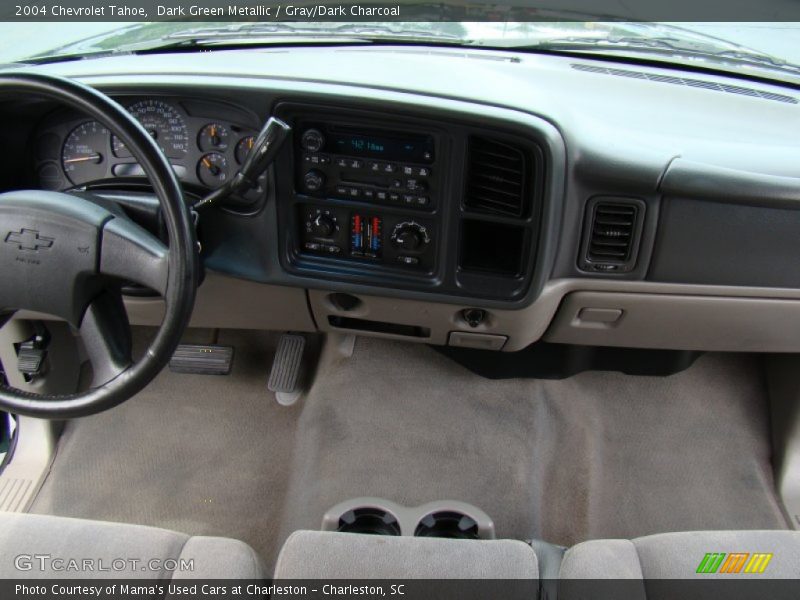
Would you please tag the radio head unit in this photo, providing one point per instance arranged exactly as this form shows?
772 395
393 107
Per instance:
383 167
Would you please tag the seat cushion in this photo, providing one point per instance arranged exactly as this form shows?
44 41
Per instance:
41 546
680 555
330 555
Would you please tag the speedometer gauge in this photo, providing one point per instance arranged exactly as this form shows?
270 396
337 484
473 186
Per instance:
164 124
83 156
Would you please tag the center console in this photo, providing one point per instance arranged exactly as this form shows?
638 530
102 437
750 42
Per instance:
409 202
379 169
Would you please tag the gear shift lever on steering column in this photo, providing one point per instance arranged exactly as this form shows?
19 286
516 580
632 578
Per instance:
264 150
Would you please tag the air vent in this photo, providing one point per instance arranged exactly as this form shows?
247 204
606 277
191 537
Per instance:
612 235
496 177
698 83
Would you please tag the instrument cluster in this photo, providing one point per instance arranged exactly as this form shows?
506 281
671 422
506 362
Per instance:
204 141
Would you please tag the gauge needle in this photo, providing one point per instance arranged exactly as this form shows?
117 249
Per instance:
95 157
207 163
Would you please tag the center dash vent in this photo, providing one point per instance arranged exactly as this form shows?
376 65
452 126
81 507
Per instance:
613 231
496 177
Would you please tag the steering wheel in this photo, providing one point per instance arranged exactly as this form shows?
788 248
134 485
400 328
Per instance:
64 255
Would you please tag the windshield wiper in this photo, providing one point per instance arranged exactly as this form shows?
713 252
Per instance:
255 30
257 34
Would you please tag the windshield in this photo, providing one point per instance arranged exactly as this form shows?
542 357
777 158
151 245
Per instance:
763 49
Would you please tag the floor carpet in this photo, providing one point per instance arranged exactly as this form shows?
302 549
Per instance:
597 455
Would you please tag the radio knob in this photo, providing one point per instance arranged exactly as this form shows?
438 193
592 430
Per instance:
312 140
323 225
409 236
314 180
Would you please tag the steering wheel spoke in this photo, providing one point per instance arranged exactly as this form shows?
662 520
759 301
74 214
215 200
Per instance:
58 251
130 252
106 335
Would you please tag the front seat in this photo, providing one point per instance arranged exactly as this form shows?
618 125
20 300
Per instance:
42 546
687 555
692 564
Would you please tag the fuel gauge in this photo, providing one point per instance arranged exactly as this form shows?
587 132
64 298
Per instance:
212 170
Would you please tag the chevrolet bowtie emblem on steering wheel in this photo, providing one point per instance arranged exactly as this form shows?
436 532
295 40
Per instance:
28 239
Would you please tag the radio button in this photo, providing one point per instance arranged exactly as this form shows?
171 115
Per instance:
394 197
389 168
422 200
408 260
356 164
313 246
408 170
409 199
414 185
313 180
312 140
369 194
341 191
354 192
381 195
374 166
341 162
424 172
396 183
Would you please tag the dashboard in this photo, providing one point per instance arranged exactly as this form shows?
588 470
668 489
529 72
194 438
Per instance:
474 198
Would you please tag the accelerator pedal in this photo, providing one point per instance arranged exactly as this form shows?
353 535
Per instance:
285 378
201 359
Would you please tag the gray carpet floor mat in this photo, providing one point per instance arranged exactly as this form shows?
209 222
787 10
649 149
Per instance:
204 455
596 455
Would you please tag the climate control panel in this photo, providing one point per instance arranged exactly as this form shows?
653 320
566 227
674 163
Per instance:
369 236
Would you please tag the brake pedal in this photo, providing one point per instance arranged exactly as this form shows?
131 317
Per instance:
285 376
202 359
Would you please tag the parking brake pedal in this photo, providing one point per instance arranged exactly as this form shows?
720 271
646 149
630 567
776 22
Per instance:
31 354
285 377
200 359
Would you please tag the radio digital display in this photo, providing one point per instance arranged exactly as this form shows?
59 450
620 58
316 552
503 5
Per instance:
408 148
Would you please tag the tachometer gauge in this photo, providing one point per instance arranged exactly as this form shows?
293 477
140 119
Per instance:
243 148
164 123
83 154
213 137
212 170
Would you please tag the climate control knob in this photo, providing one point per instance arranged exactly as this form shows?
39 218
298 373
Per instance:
312 140
314 180
410 236
323 225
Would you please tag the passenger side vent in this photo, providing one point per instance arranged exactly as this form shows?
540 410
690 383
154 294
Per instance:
613 235
496 177
687 81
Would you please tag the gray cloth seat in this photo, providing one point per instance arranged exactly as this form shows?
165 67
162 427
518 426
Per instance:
42 546
330 555
679 556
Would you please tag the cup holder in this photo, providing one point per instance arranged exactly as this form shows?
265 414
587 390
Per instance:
378 516
448 524
374 521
